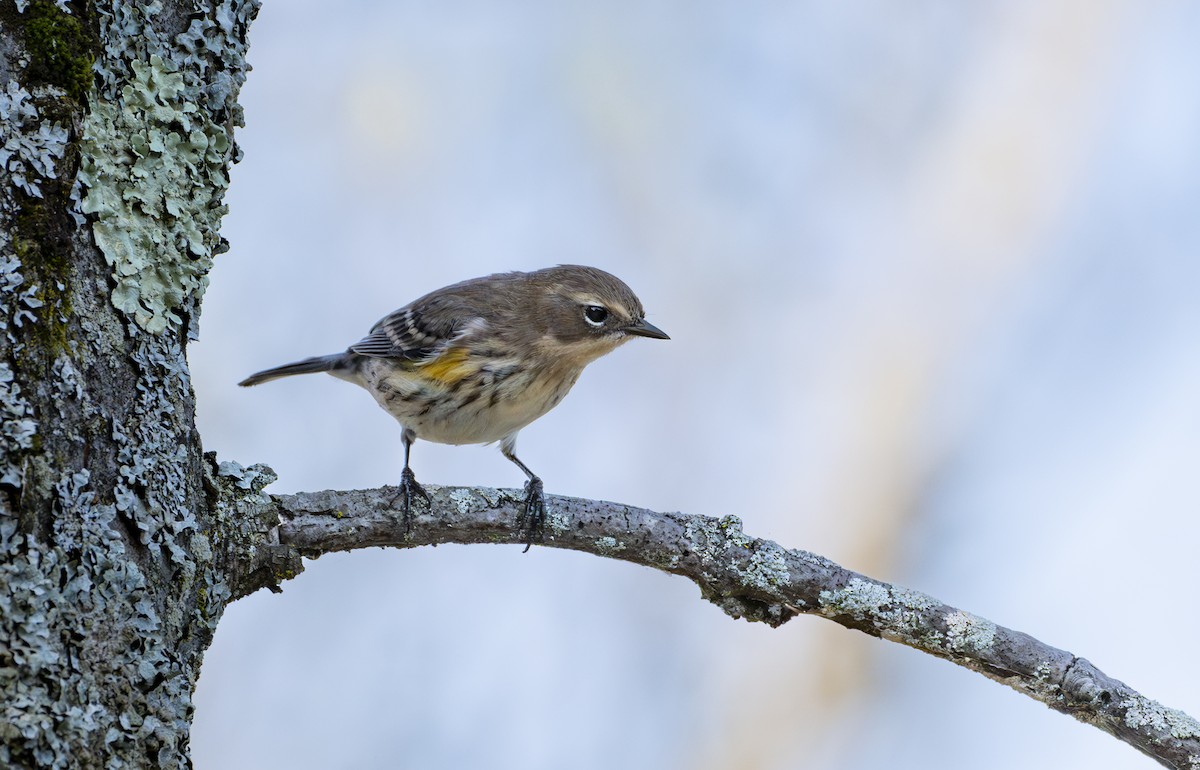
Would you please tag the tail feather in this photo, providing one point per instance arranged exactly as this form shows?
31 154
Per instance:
307 366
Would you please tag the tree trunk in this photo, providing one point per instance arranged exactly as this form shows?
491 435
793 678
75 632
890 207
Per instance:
116 137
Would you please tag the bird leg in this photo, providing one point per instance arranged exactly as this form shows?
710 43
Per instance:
409 488
533 514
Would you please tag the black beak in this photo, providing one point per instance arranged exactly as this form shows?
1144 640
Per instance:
644 328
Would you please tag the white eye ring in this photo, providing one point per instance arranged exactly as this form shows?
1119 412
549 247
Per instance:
595 315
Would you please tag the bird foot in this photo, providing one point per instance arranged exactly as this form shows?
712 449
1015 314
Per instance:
409 490
533 514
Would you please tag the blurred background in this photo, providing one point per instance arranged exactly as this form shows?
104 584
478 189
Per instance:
931 274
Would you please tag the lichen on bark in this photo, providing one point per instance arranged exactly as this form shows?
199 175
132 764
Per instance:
156 152
111 573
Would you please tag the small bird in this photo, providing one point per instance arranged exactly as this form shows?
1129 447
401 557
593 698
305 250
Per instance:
477 361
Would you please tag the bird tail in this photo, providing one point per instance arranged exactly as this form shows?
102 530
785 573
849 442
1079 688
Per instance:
307 366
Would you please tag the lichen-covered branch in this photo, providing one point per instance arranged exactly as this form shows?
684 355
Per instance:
747 577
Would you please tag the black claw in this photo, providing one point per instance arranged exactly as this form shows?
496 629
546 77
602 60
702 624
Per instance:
409 489
533 513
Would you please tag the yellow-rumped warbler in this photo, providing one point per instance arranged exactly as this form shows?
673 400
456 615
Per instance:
475 362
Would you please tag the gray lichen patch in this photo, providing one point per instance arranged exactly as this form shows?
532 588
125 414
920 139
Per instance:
558 520
253 480
474 499
244 513
893 612
30 149
154 169
710 538
860 599
463 500
766 569
17 426
154 465
1046 672
760 567
156 152
54 709
31 146
608 545
245 522
967 632
1141 712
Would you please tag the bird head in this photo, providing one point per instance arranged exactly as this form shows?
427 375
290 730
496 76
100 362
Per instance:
584 312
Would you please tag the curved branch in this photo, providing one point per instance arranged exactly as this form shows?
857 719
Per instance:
746 577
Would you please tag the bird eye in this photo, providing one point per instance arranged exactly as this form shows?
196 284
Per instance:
595 315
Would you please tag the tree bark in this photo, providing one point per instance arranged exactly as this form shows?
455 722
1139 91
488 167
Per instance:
116 136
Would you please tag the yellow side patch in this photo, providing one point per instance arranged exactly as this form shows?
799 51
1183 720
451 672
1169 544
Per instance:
450 367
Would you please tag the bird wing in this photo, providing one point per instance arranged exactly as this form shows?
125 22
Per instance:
417 334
